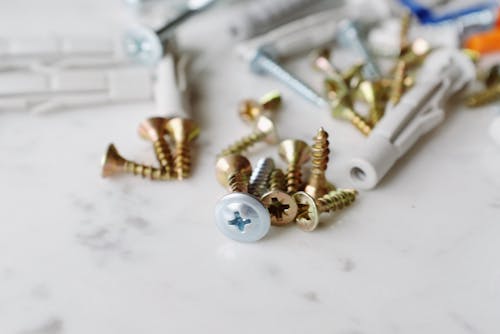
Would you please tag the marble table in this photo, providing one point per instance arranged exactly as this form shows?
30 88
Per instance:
80 254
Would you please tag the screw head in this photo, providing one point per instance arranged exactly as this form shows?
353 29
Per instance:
112 162
182 129
142 45
308 215
242 217
294 151
227 165
264 124
153 128
281 206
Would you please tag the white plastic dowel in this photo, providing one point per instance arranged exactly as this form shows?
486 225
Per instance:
171 86
444 73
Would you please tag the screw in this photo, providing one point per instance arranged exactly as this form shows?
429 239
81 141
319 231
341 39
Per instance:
344 109
281 206
493 76
113 163
147 46
153 129
264 130
239 215
318 185
260 177
250 110
309 210
349 36
484 97
295 153
374 93
397 85
322 62
183 131
262 62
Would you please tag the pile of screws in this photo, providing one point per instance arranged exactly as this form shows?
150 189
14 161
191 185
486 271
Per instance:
363 83
181 131
267 195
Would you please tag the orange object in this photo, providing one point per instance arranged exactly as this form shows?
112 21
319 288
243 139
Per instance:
498 19
484 42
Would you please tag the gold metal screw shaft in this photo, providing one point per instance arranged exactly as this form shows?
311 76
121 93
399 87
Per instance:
295 153
309 209
113 163
336 200
484 97
277 180
397 85
264 130
153 129
343 109
183 132
318 185
233 172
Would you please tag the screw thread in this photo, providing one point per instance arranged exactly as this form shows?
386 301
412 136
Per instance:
293 178
484 97
182 160
243 144
164 156
317 184
359 122
336 200
237 183
260 177
144 171
277 180
397 84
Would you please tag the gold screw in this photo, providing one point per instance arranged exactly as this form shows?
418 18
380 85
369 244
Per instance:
183 131
250 110
374 93
309 210
397 85
233 172
322 62
484 97
113 163
343 109
153 129
281 206
493 76
318 185
264 130
295 153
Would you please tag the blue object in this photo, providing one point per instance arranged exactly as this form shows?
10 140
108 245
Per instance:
426 16
239 222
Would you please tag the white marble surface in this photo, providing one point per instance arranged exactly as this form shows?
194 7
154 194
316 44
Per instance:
80 254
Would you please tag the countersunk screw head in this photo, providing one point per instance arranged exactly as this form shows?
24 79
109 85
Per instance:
294 151
153 128
230 164
250 110
182 129
281 206
265 125
308 214
112 162
242 217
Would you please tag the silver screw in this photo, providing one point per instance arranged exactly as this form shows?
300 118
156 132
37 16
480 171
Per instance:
146 46
260 177
348 36
262 62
